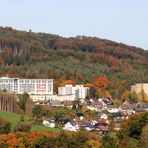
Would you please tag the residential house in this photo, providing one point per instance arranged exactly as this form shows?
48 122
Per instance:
42 102
89 126
145 107
68 103
56 103
63 121
71 126
141 107
107 101
80 116
112 108
95 106
103 116
82 124
126 108
49 123
83 103
118 119
102 128
101 124
117 122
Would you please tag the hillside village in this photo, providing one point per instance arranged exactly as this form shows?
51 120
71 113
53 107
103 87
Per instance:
73 74
80 111
64 92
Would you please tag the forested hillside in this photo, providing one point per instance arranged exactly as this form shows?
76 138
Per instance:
40 55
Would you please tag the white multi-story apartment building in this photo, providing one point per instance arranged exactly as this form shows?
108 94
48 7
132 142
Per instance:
30 86
67 90
79 91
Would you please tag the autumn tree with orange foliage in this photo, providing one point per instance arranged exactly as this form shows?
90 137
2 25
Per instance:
101 85
50 139
72 82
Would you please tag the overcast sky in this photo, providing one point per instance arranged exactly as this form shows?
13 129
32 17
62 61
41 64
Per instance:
119 20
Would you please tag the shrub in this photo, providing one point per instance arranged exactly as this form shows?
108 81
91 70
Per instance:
23 127
5 126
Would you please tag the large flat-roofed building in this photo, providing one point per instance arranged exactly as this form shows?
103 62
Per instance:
78 90
30 86
68 89
81 91
139 87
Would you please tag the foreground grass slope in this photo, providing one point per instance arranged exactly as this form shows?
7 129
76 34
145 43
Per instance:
44 128
15 118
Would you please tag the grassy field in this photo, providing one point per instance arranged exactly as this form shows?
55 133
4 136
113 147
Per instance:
44 128
15 118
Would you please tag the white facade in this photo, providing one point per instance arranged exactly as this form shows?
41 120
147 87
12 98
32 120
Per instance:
62 98
67 90
113 110
139 86
70 127
79 91
52 97
35 98
30 86
50 123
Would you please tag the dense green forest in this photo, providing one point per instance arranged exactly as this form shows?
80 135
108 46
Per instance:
40 55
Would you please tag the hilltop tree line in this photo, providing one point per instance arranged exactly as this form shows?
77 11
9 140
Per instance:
40 55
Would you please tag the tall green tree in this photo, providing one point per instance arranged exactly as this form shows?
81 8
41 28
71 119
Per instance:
22 99
108 142
37 111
